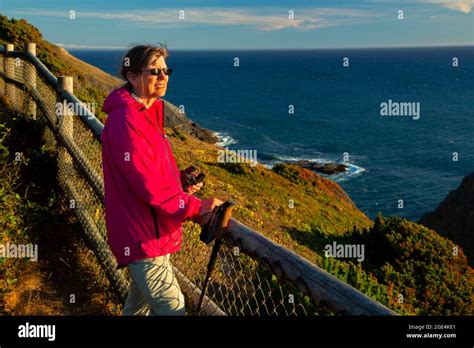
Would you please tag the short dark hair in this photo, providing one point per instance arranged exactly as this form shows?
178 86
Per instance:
140 57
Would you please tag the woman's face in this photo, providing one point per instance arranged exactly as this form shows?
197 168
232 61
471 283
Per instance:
151 86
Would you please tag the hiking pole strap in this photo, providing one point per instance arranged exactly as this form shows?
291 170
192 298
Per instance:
220 216
210 269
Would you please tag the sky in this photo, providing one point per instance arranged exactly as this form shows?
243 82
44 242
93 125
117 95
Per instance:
251 24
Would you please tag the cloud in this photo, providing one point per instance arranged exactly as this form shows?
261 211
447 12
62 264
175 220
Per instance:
264 19
457 5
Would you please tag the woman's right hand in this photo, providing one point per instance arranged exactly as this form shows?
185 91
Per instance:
207 206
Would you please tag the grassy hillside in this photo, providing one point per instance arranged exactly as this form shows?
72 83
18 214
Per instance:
91 84
417 271
303 211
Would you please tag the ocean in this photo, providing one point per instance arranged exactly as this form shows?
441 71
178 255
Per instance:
316 105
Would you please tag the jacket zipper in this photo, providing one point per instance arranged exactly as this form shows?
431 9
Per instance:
155 223
152 209
164 136
178 181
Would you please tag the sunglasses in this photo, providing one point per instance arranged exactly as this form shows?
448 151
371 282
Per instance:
157 71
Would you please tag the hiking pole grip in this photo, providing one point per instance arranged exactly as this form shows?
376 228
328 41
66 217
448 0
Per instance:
225 216
221 226
217 223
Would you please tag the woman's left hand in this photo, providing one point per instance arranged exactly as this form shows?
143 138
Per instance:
195 188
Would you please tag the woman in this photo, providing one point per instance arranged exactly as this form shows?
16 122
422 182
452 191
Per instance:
145 203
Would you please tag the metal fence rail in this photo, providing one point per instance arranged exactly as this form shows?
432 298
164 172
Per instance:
254 276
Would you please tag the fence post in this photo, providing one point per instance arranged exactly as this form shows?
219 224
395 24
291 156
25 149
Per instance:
9 72
2 71
29 77
65 127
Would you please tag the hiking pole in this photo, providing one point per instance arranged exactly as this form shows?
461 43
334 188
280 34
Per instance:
214 230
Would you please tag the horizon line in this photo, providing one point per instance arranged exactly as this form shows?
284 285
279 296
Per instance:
111 48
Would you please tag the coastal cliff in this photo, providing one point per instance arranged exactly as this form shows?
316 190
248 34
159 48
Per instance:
454 217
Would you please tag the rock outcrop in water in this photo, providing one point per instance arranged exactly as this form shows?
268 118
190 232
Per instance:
454 217
325 168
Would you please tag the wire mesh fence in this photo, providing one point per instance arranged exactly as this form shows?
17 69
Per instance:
242 283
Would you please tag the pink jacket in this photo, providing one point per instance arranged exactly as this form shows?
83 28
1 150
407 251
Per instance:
144 200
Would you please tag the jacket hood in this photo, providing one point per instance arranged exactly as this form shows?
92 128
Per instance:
120 98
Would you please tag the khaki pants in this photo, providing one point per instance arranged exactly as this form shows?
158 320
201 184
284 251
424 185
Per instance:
154 289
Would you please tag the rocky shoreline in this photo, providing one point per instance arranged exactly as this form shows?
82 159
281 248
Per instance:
179 121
